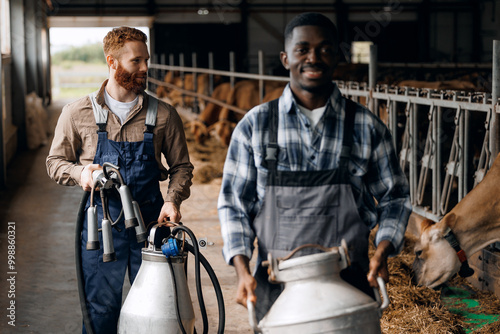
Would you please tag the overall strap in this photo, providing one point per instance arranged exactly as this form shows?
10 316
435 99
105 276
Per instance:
272 146
345 154
151 114
100 114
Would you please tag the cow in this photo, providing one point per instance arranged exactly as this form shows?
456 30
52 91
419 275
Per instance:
470 226
245 95
163 91
274 93
176 96
210 114
222 120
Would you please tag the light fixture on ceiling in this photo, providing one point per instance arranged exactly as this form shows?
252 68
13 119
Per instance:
203 11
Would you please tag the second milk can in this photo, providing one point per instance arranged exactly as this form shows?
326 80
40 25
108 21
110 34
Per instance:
316 299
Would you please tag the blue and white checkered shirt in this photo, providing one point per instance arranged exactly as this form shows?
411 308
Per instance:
374 168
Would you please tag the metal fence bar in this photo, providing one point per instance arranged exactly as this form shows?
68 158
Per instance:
221 73
372 78
211 75
200 96
467 146
232 67
495 94
261 72
194 60
182 76
414 152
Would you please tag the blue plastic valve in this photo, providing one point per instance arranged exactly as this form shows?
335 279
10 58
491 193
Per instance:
170 248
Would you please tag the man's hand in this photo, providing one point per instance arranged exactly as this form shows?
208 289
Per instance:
246 282
171 211
86 177
378 263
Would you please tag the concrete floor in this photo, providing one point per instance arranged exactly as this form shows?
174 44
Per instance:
44 285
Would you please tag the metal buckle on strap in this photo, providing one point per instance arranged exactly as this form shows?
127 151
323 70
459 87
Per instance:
102 127
345 152
272 152
149 128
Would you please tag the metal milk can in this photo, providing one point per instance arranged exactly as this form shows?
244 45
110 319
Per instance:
317 300
153 304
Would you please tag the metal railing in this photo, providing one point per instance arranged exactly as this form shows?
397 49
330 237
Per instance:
435 132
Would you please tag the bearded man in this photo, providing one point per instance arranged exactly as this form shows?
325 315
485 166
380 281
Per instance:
125 126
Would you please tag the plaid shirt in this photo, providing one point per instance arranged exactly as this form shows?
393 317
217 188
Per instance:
375 173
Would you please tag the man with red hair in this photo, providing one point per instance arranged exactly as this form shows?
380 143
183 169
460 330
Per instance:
123 125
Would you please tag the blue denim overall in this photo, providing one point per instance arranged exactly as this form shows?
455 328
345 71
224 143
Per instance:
138 166
308 207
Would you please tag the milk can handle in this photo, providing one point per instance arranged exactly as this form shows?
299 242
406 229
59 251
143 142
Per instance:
252 317
383 293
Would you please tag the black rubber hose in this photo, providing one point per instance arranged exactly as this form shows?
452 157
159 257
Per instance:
78 261
217 288
199 291
176 297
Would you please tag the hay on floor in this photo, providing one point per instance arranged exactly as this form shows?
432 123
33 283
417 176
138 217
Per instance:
415 309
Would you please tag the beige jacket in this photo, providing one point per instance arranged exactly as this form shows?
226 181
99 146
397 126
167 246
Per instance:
75 143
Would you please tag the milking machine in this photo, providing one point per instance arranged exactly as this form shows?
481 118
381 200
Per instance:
159 300
316 299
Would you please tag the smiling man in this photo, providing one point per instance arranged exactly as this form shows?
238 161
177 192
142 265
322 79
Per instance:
310 168
123 125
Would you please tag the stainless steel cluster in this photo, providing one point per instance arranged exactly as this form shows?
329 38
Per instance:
106 180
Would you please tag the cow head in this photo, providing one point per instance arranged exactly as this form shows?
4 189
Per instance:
199 130
435 260
223 130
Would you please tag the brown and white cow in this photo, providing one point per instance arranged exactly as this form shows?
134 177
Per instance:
210 114
475 223
221 120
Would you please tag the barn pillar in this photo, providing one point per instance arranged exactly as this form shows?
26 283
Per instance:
3 168
30 44
18 74
43 59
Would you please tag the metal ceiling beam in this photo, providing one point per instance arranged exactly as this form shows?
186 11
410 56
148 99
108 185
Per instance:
151 7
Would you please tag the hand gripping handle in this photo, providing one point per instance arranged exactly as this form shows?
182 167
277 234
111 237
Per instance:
252 317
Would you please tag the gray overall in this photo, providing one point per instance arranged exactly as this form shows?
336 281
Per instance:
304 207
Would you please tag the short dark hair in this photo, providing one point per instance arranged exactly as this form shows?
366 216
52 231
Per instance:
311 19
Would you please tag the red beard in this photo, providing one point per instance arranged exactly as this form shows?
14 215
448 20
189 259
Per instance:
129 80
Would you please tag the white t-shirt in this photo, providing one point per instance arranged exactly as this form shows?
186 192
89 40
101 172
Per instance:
120 109
313 115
